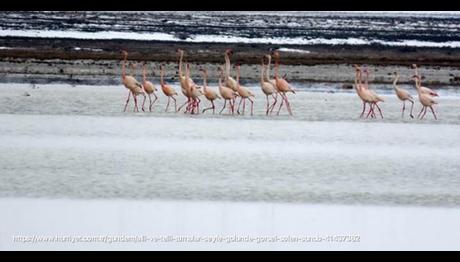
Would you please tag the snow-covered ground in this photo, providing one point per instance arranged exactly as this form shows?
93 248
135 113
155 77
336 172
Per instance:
185 225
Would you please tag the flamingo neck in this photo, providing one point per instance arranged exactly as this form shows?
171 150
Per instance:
187 77
180 65
162 72
238 76
123 67
356 80
396 81
227 66
360 75
144 72
276 68
262 69
417 84
267 72
205 81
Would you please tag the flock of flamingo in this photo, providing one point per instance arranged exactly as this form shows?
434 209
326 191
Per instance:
425 94
230 89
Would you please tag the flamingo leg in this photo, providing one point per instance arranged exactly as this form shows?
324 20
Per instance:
434 114
268 107
136 109
213 107
364 110
411 109
186 103
404 108
252 106
420 114
239 104
127 101
225 104
167 105
143 103
232 106
175 103
275 97
244 105
150 103
198 105
288 105
281 104
371 111
380 111
424 112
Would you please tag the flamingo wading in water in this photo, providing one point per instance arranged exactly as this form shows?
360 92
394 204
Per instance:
425 99
243 92
268 87
423 89
149 88
403 95
366 97
167 89
282 85
209 93
227 93
130 83
375 98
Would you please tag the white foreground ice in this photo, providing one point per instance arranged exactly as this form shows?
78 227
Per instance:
230 225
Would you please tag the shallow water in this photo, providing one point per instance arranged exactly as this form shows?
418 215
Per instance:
76 143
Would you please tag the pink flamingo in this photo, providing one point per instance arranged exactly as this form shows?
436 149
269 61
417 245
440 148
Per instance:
282 85
243 92
130 83
167 90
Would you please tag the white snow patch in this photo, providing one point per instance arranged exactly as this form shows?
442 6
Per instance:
219 38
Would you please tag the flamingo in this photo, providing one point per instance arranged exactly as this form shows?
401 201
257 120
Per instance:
282 85
375 98
194 92
227 93
423 89
403 95
209 93
243 92
425 99
167 89
268 85
129 82
365 96
149 88
185 83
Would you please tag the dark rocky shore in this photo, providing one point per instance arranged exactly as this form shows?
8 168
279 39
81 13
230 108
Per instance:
97 61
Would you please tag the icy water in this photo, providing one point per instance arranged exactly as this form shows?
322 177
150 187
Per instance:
432 29
63 142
